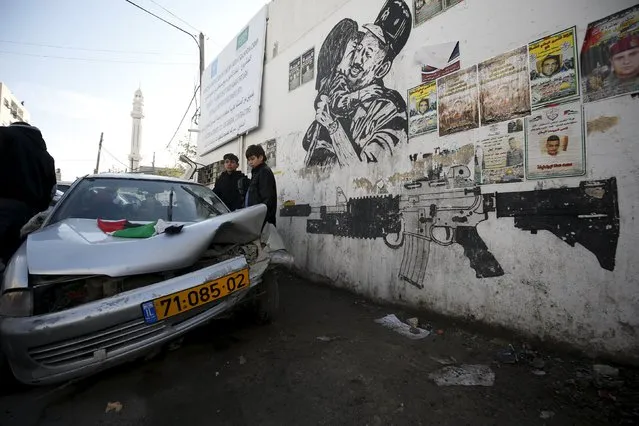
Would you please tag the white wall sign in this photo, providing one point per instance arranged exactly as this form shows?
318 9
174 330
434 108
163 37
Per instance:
232 87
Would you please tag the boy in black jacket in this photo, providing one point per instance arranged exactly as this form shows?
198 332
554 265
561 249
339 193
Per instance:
263 189
231 185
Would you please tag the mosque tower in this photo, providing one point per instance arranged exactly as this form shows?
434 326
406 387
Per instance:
136 132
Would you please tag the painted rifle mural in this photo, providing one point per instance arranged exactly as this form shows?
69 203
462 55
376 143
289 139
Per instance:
447 210
358 119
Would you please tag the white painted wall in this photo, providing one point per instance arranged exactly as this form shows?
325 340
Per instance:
549 289
6 116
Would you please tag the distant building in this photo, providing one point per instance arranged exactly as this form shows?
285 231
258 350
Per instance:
58 175
11 109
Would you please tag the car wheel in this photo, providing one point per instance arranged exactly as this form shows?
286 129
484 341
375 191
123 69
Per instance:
267 302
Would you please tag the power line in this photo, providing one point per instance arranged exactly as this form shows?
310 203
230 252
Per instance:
183 117
24 43
113 156
70 58
164 20
174 15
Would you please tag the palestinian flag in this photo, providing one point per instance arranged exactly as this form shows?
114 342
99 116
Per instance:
125 229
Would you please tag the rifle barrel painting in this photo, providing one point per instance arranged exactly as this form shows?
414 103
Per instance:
423 215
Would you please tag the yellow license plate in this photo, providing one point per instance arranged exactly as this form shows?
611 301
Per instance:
185 300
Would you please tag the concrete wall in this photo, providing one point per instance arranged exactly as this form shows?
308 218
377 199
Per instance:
542 285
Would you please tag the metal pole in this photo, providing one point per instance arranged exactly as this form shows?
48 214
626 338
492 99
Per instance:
97 164
201 46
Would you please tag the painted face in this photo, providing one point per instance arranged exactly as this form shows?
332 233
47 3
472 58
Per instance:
626 64
423 107
230 165
552 147
254 161
367 61
549 67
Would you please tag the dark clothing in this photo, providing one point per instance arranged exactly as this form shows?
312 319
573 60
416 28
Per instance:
27 171
27 182
263 190
231 187
13 216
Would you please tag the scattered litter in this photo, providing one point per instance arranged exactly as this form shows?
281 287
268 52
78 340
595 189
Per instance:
113 406
464 375
508 356
393 323
440 332
413 322
444 361
538 363
547 414
606 395
217 373
539 372
242 360
605 370
325 339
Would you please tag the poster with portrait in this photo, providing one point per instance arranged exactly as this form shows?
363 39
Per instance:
555 143
426 9
458 97
308 66
504 87
553 77
610 56
499 154
294 74
422 109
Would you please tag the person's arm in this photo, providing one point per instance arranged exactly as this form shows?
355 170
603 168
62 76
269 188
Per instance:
266 188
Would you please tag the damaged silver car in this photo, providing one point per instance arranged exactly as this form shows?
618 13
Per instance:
123 265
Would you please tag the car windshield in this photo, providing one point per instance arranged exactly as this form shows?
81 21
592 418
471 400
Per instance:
139 200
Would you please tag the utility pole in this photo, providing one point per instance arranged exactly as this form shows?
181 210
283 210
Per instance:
201 46
97 164
153 163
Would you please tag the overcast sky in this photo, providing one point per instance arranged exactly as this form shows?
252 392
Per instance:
76 65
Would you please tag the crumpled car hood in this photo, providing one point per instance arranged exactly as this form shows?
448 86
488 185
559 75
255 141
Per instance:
79 247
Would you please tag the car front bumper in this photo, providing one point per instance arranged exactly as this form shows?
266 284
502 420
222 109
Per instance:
90 338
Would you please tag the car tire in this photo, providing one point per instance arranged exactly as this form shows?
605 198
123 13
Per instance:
267 302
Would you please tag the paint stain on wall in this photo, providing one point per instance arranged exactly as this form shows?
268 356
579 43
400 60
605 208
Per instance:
602 124
363 183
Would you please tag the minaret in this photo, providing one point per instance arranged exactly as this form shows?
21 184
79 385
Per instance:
136 132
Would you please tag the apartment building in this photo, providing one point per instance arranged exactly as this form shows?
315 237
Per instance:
11 109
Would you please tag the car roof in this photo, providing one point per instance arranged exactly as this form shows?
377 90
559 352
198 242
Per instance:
136 176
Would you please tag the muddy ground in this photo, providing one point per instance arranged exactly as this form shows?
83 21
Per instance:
356 373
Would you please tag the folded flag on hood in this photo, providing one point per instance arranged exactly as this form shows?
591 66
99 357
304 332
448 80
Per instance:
125 229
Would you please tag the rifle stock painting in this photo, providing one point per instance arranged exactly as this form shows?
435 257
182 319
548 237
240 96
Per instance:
443 212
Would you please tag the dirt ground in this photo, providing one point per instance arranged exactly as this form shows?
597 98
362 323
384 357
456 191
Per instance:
357 373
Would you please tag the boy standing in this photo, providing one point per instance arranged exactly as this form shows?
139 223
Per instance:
230 185
262 189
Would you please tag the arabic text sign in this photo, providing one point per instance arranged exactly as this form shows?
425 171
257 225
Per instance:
232 86
555 143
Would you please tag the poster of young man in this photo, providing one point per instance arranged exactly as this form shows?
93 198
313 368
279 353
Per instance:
505 87
555 143
610 56
553 77
458 97
499 155
294 74
422 113
308 66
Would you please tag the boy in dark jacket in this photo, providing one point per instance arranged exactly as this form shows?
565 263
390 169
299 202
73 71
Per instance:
263 189
231 185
